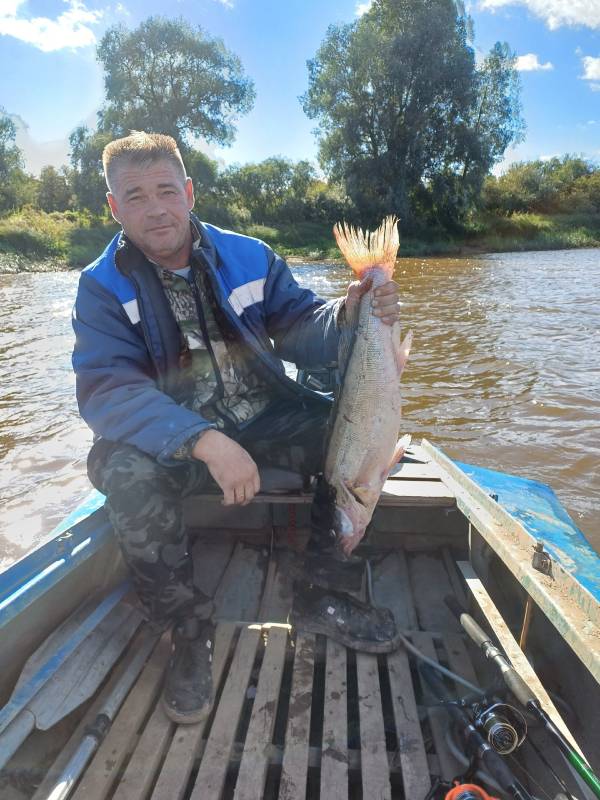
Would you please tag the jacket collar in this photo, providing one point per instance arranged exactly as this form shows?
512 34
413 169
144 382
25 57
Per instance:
129 258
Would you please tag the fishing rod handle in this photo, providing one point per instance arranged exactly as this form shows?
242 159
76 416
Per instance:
513 680
468 623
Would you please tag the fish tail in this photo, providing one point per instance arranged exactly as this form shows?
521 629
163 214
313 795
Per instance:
365 249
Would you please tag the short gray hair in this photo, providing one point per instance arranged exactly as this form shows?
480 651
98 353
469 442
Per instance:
140 149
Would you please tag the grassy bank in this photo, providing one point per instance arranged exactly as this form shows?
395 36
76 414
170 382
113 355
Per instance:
33 241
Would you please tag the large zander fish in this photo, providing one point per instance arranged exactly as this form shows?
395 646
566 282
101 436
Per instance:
363 444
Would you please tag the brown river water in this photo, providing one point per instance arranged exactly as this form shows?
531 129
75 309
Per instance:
504 373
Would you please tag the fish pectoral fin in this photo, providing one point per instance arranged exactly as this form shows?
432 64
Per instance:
402 446
365 494
401 349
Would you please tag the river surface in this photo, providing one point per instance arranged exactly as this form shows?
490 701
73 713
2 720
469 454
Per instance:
504 373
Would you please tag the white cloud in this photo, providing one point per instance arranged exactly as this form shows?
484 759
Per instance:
226 3
530 63
556 13
591 72
591 68
70 29
362 8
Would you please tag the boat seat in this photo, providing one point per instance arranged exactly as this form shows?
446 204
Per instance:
275 479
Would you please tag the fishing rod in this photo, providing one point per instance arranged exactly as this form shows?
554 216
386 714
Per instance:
503 734
523 693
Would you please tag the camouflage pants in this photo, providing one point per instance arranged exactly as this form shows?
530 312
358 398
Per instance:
144 501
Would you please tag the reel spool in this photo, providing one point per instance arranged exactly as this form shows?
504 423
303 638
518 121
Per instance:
503 726
468 791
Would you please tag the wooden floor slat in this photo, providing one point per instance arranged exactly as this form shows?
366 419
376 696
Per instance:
295 758
215 760
334 762
391 589
239 592
139 775
253 768
104 767
211 556
374 760
277 596
438 717
185 745
411 749
430 585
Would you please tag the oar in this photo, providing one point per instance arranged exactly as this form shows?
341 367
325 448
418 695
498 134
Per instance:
67 669
523 693
59 786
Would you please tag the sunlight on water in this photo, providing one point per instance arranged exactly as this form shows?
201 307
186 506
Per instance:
503 373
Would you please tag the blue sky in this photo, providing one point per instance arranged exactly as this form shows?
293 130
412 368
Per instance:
50 79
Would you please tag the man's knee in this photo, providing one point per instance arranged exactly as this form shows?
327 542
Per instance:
115 466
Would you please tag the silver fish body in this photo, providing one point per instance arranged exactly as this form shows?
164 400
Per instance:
363 444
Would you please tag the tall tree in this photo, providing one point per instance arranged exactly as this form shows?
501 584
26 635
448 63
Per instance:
12 177
54 192
405 118
86 176
168 77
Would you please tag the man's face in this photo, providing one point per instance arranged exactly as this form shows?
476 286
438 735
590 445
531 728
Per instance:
152 203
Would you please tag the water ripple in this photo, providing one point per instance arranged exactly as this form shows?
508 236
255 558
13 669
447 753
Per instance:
504 373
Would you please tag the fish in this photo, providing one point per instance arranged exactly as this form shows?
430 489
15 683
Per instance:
364 444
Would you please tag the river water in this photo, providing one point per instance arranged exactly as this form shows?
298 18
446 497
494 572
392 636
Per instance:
504 373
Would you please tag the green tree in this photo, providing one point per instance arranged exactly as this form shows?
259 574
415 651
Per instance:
87 177
274 190
554 185
405 119
15 185
54 192
168 77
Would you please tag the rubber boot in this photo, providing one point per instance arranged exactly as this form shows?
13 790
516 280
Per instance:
188 695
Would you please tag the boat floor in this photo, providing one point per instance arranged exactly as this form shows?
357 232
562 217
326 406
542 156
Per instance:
296 716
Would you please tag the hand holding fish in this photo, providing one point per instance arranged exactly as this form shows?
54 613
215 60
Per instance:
386 299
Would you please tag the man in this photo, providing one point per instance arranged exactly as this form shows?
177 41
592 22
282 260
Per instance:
180 331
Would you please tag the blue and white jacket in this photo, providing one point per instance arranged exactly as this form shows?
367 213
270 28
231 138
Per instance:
126 355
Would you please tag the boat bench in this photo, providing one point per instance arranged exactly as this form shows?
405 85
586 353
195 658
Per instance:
414 483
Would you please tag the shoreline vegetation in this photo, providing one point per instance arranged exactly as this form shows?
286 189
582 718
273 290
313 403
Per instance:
32 240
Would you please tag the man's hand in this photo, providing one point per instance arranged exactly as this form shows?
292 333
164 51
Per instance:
386 299
230 465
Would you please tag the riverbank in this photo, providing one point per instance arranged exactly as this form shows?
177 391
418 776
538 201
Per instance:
34 241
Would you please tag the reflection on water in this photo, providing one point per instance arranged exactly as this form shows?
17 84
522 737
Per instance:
504 373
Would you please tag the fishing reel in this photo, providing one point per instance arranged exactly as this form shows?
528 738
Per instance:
502 725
